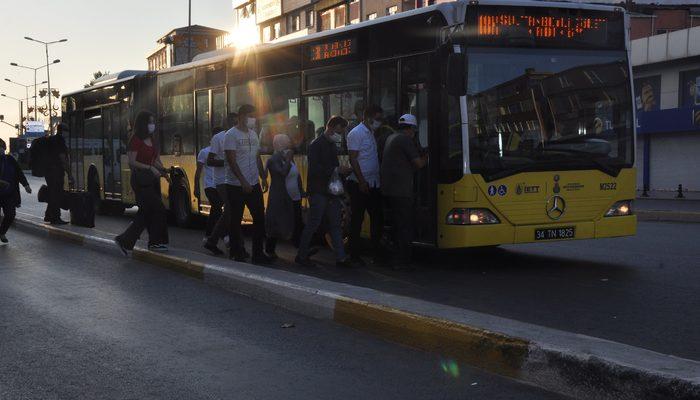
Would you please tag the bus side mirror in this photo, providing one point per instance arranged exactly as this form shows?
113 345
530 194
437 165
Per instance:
456 81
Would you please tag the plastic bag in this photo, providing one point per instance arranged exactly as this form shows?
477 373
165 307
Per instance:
335 184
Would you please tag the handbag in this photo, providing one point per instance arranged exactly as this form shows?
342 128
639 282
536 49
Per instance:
335 184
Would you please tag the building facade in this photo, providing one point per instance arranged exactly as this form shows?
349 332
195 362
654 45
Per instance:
176 47
666 70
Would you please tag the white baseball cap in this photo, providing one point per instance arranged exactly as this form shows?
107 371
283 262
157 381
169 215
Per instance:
408 119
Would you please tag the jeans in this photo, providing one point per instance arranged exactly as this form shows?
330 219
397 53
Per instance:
8 214
215 212
402 221
360 203
254 201
331 207
151 216
54 182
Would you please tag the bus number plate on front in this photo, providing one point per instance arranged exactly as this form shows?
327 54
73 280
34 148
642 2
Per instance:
567 232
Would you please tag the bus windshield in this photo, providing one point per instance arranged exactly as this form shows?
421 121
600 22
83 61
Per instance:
548 109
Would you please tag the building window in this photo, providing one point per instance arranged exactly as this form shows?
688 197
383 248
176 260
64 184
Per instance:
392 10
335 17
294 22
689 88
371 16
272 32
310 13
355 11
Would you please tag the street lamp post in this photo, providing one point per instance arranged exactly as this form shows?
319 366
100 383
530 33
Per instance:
36 118
48 74
26 90
21 114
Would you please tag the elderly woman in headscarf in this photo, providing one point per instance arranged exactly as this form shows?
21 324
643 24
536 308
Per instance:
283 219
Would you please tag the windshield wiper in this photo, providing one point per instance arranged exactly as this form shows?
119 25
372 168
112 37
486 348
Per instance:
611 170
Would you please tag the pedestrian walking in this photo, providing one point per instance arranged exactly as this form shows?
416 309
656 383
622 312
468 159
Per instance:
56 168
11 176
364 184
216 159
401 159
245 183
283 217
205 175
324 169
146 172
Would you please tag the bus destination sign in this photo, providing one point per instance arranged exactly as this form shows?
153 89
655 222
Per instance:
332 50
546 27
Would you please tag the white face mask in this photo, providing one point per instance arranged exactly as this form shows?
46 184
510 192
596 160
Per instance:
251 123
151 128
376 124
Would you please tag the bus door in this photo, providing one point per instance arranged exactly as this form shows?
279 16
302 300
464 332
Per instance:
415 98
210 109
114 143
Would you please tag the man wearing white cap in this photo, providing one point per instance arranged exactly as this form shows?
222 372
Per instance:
400 161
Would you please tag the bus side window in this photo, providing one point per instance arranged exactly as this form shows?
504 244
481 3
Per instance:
279 112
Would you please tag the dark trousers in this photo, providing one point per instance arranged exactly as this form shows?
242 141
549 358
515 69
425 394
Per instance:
271 242
221 226
254 201
402 221
216 203
8 214
322 206
360 203
151 216
54 182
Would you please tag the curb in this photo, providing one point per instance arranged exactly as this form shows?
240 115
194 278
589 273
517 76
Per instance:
575 365
668 216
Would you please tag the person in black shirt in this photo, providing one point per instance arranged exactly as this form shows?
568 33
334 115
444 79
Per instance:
323 163
11 176
57 166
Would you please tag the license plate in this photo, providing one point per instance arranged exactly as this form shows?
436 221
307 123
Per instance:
567 232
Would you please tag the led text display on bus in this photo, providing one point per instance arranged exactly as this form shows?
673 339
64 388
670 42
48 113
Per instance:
332 50
545 27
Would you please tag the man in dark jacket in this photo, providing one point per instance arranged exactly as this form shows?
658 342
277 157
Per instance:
56 167
11 176
323 162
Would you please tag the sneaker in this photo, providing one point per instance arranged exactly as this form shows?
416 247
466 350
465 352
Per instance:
261 259
227 241
240 257
304 262
58 222
3 239
355 260
121 246
158 248
345 263
213 249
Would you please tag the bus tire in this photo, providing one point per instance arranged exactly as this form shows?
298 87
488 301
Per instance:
180 205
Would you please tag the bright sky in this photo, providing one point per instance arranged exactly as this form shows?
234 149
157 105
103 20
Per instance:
102 35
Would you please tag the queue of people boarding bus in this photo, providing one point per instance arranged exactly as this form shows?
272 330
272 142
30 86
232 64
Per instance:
235 177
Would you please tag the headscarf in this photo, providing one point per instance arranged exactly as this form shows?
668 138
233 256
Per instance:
281 142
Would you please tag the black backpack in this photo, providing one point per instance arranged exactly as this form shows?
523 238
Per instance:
39 156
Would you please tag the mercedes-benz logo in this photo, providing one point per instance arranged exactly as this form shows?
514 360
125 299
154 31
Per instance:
556 206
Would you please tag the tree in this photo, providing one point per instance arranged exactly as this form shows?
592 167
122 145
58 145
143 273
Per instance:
96 75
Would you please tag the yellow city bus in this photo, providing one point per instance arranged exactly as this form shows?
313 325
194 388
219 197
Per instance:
525 109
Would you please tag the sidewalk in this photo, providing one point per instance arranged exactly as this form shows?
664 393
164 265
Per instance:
667 208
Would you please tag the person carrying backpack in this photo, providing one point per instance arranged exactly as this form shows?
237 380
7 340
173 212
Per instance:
56 168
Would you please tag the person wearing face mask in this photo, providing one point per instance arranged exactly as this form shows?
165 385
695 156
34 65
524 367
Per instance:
245 183
11 176
323 162
146 171
401 159
364 184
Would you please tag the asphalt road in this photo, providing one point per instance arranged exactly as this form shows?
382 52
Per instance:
79 324
641 290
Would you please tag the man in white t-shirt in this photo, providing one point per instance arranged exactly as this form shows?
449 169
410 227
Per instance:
363 184
205 176
245 182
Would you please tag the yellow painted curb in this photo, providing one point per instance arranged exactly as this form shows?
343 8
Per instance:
187 267
65 235
483 349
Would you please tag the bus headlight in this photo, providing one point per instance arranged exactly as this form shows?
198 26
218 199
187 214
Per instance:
471 216
620 209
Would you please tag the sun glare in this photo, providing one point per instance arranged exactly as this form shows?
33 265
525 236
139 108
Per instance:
246 35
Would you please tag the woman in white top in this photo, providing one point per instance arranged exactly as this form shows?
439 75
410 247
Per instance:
283 218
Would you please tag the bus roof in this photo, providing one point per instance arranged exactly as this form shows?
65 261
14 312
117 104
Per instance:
111 79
